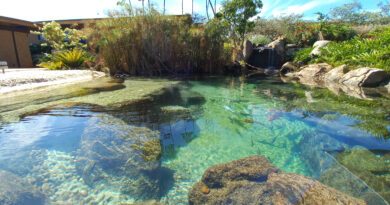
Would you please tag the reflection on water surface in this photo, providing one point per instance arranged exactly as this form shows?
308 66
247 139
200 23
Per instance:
156 149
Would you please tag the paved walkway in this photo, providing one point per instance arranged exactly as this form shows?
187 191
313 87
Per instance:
30 78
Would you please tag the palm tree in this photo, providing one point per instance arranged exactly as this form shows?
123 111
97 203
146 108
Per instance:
207 9
143 5
212 8
164 7
192 8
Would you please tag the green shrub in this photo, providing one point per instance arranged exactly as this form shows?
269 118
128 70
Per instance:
260 40
303 55
338 32
71 59
373 51
68 59
58 38
51 65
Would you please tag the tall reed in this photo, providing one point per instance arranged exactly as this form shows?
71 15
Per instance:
154 44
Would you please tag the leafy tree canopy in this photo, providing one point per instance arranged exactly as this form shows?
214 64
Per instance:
238 13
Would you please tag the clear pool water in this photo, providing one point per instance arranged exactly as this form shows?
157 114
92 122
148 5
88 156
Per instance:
154 150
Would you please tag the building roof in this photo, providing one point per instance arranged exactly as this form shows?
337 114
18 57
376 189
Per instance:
11 22
72 21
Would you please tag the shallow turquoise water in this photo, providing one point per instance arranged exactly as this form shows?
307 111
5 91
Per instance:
94 155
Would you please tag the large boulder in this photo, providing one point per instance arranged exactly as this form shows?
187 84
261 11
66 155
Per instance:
16 191
314 74
317 47
334 75
365 77
253 180
279 45
288 67
248 49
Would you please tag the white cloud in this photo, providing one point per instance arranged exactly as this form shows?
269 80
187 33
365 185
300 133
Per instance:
287 9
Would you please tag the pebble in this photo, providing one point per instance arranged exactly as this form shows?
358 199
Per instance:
83 192
205 189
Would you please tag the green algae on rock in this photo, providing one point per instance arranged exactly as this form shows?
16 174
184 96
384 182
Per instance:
253 180
371 167
92 93
151 150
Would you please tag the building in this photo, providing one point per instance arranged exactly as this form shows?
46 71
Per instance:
14 42
15 39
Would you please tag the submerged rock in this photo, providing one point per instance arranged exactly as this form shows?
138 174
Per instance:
16 191
365 77
111 150
372 168
253 180
174 113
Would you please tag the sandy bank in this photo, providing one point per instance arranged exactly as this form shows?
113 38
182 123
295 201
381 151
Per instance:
31 78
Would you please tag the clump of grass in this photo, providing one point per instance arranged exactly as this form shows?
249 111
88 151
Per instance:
154 44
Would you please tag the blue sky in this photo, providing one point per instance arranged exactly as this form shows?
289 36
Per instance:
38 10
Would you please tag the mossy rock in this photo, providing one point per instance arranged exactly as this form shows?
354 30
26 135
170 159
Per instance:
151 150
373 168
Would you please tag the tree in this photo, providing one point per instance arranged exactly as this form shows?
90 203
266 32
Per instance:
164 8
59 38
353 13
385 8
237 14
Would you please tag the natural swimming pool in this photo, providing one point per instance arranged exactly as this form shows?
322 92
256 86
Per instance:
157 148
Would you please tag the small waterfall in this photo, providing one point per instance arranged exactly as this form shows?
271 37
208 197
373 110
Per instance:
271 58
264 57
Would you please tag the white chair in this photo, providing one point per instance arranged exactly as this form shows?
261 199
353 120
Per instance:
3 65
